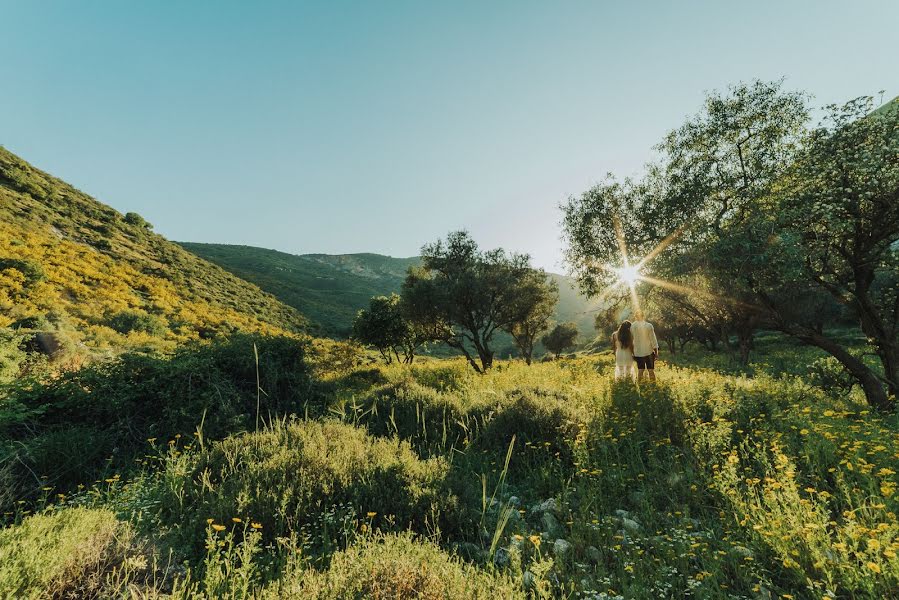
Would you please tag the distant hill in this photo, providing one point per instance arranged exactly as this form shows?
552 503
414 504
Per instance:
330 289
103 280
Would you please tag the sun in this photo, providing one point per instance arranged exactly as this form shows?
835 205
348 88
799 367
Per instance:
628 274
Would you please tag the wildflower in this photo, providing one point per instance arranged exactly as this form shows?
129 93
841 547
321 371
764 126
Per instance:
256 525
209 521
218 527
535 539
236 519
874 567
371 514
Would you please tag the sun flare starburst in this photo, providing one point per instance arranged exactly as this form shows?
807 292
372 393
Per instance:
628 274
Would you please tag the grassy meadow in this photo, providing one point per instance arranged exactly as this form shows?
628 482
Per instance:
358 480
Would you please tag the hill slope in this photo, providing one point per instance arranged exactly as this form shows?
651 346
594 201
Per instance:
330 289
96 277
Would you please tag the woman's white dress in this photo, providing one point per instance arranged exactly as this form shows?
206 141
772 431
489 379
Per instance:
624 362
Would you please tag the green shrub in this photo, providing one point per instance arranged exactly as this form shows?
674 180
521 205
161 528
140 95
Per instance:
31 269
317 479
137 320
134 219
109 410
11 354
395 568
63 554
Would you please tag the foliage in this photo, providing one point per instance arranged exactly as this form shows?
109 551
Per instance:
12 357
841 202
132 218
400 568
307 479
706 484
63 554
385 326
562 337
64 253
535 304
128 321
464 296
94 421
752 219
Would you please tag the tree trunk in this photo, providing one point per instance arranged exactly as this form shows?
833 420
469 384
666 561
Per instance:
875 393
744 342
884 342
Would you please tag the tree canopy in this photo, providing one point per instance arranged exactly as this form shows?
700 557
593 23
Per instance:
463 296
753 219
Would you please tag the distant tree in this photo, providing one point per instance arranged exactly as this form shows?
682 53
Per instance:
462 296
533 307
562 337
383 325
132 218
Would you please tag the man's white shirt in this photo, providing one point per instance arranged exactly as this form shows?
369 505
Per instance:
645 342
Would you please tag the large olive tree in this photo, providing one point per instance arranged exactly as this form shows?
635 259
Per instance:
772 216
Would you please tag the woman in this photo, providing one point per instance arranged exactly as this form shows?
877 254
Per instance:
623 346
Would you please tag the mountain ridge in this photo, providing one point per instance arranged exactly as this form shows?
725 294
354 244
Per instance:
310 282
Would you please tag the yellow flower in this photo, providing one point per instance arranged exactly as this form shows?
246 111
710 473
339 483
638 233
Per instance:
236 519
874 567
256 525
371 515
535 539
209 521
218 527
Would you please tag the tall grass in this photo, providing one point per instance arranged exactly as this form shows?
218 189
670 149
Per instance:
551 480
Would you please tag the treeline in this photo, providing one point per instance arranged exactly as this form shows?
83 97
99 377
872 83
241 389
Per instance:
463 297
754 219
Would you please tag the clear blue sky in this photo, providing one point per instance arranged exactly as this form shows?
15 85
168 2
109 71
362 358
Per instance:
381 125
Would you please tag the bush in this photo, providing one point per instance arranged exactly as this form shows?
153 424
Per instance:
134 219
11 354
311 478
32 270
63 554
115 407
137 320
396 568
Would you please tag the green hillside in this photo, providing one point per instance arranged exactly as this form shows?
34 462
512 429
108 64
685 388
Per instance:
95 279
330 289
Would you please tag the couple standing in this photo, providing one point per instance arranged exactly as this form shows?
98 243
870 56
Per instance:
635 342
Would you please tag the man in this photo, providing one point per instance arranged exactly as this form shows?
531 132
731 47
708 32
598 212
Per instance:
646 346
